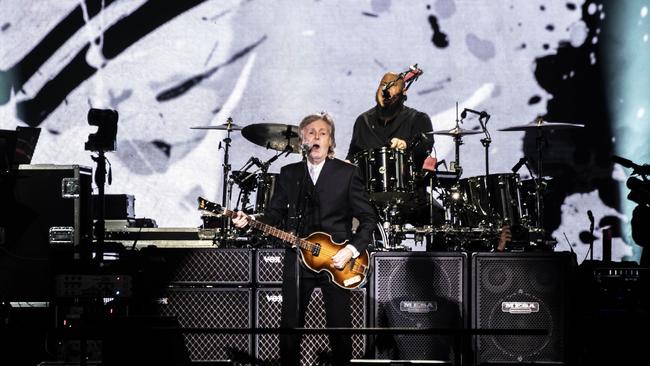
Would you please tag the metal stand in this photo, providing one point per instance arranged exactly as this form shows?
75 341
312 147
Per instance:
100 180
539 140
486 142
226 164
458 140
225 198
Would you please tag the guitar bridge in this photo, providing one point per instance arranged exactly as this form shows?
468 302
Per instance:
315 250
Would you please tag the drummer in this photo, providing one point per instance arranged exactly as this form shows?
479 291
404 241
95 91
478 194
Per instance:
390 123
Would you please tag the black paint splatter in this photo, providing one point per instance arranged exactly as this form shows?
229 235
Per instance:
577 159
439 38
534 99
117 38
18 74
372 15
5 26
380 64
571 6
586 237
185 86
550 27
165 147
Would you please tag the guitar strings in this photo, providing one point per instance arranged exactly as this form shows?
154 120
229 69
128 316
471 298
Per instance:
358 268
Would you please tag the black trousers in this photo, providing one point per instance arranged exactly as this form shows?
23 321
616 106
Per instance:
338 312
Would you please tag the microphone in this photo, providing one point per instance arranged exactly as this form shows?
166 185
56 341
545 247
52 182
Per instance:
636 168
256 161
306 148
591 220
519 164
442 162
482 114
409 76
384 91
412 73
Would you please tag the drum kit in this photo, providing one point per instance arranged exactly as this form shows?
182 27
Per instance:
474 210
254 176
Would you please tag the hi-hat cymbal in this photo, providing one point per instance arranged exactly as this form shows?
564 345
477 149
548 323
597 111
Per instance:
224 127
539 123
456 131
276 136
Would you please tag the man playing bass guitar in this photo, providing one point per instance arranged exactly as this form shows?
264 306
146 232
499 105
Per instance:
319 194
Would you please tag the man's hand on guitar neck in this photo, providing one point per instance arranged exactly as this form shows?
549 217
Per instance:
241 220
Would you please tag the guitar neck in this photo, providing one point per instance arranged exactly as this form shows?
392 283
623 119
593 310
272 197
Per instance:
270 230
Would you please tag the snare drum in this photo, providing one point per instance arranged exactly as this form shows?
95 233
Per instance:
490 199
388 173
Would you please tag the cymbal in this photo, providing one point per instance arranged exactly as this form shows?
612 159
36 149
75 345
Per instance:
224 127
539 123
456 131
276 136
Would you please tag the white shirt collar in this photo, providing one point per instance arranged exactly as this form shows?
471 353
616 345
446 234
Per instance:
314 170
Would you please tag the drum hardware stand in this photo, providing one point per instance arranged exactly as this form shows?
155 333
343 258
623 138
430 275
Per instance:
539 140
458 140
486 142
225 201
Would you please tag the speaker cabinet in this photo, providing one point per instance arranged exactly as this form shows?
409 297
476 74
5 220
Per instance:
269 307
269 266
417 290
210 308
520 291
199 266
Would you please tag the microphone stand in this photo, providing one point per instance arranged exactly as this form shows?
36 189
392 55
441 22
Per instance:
226 171
486 141
591 240
538 189
300 210
458 140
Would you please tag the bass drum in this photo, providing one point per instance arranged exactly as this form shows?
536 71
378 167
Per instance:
490 200
265 189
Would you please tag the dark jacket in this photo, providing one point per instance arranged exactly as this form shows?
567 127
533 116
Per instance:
329 206
370 133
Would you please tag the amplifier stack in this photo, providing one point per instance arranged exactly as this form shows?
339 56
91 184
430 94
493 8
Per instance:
241 288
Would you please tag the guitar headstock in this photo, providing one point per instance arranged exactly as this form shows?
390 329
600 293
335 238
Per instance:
210 207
